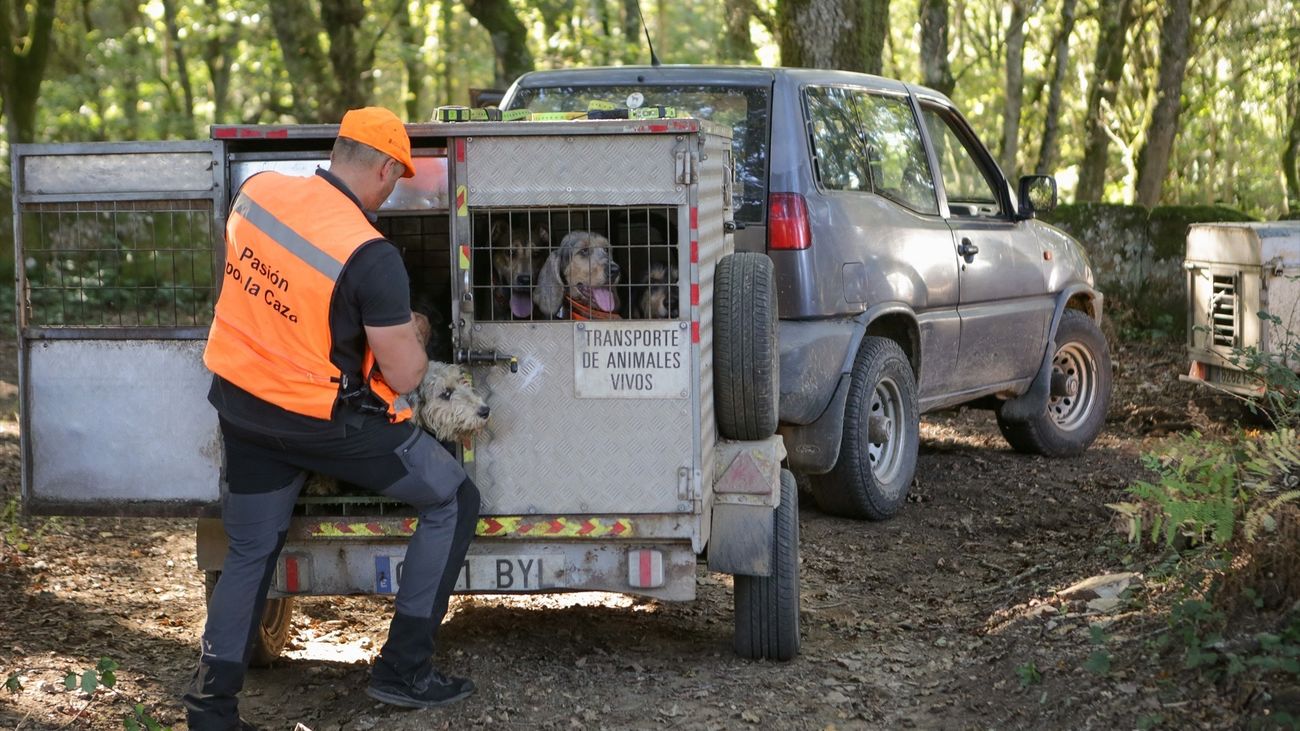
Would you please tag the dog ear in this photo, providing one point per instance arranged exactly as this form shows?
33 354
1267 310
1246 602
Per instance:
498 231
543 236
549 292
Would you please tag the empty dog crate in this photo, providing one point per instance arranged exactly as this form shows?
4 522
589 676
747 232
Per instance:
568 266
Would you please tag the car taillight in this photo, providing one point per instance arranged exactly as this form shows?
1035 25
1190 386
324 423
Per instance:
787 222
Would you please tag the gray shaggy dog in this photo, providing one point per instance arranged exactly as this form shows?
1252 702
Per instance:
445 404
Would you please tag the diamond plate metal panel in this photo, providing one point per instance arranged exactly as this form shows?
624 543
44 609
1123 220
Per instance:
546 451
616 170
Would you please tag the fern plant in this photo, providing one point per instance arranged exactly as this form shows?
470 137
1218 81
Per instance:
1207 490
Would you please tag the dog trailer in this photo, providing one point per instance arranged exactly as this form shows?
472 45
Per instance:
1243 294
632 428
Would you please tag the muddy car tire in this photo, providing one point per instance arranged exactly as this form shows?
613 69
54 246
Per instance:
272 631
767 607
881 435
746 366
1079 396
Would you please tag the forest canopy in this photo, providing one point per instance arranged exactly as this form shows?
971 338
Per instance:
1126 101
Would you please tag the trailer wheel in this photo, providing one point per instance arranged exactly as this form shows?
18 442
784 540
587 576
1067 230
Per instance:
746 368
272 631
1079 397
767 607
881 437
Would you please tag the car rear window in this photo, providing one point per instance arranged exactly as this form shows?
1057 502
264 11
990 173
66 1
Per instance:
744 109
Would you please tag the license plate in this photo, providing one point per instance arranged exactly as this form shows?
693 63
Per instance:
1232 377
477 573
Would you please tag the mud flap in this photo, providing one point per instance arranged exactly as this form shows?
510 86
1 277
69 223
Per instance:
1034 401
746 495
814 448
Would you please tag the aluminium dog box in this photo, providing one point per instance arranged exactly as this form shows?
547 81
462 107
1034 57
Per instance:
1235 272
599 465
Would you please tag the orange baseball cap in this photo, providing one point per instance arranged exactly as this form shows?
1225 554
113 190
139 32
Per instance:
381 129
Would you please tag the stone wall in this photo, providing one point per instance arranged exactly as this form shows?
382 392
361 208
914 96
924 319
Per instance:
1137 256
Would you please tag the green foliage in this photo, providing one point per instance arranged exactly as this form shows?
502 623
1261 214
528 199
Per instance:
139 720
1098 662
1276 370
104 673
1196 631
12 683
1028 674
1207 490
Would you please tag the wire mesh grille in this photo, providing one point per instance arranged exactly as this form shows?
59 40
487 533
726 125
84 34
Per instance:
119 263
575 262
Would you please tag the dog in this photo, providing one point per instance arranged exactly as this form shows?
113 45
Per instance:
658 300
445 404
578 280
517 256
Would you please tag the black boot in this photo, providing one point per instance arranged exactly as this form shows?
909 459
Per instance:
211 703
404 675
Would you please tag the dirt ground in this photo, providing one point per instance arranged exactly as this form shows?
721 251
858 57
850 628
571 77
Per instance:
928 620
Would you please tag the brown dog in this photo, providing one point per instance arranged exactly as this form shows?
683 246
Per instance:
658 300
578 275
517 255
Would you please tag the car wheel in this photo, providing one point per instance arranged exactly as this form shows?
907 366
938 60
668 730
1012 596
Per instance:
1078 397
767 607
746 367
272 631
881 433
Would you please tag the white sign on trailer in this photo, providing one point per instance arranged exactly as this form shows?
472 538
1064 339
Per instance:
631 359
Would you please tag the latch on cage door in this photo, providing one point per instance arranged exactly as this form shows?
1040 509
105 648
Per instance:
465 356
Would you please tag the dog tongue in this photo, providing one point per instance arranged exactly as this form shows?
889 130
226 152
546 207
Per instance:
521 305
604 298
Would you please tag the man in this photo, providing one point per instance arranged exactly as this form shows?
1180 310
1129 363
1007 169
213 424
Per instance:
311 345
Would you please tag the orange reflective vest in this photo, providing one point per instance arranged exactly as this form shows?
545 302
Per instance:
287 239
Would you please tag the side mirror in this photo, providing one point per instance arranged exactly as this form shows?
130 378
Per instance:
1037 195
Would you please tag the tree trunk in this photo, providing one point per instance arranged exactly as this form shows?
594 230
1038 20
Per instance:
1050 149
21 72
314 89
509 38
877 31
1013 99
342 21
182 70
1291 153
1114 17
737 46
413 36
222 37
827 34
936 72
1153 159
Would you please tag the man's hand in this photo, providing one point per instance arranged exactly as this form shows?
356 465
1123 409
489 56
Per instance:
423 329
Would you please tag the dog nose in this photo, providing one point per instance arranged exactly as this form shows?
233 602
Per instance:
613 270
523 280
483 412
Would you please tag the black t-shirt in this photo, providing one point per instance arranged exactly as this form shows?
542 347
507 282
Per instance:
372 289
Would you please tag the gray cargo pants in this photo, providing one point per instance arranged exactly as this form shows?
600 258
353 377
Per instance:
264 475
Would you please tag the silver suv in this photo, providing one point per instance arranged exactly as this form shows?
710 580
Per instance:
910 277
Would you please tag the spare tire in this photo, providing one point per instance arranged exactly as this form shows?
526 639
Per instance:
746 367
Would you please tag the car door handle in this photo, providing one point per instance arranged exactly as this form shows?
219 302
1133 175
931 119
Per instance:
968 250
